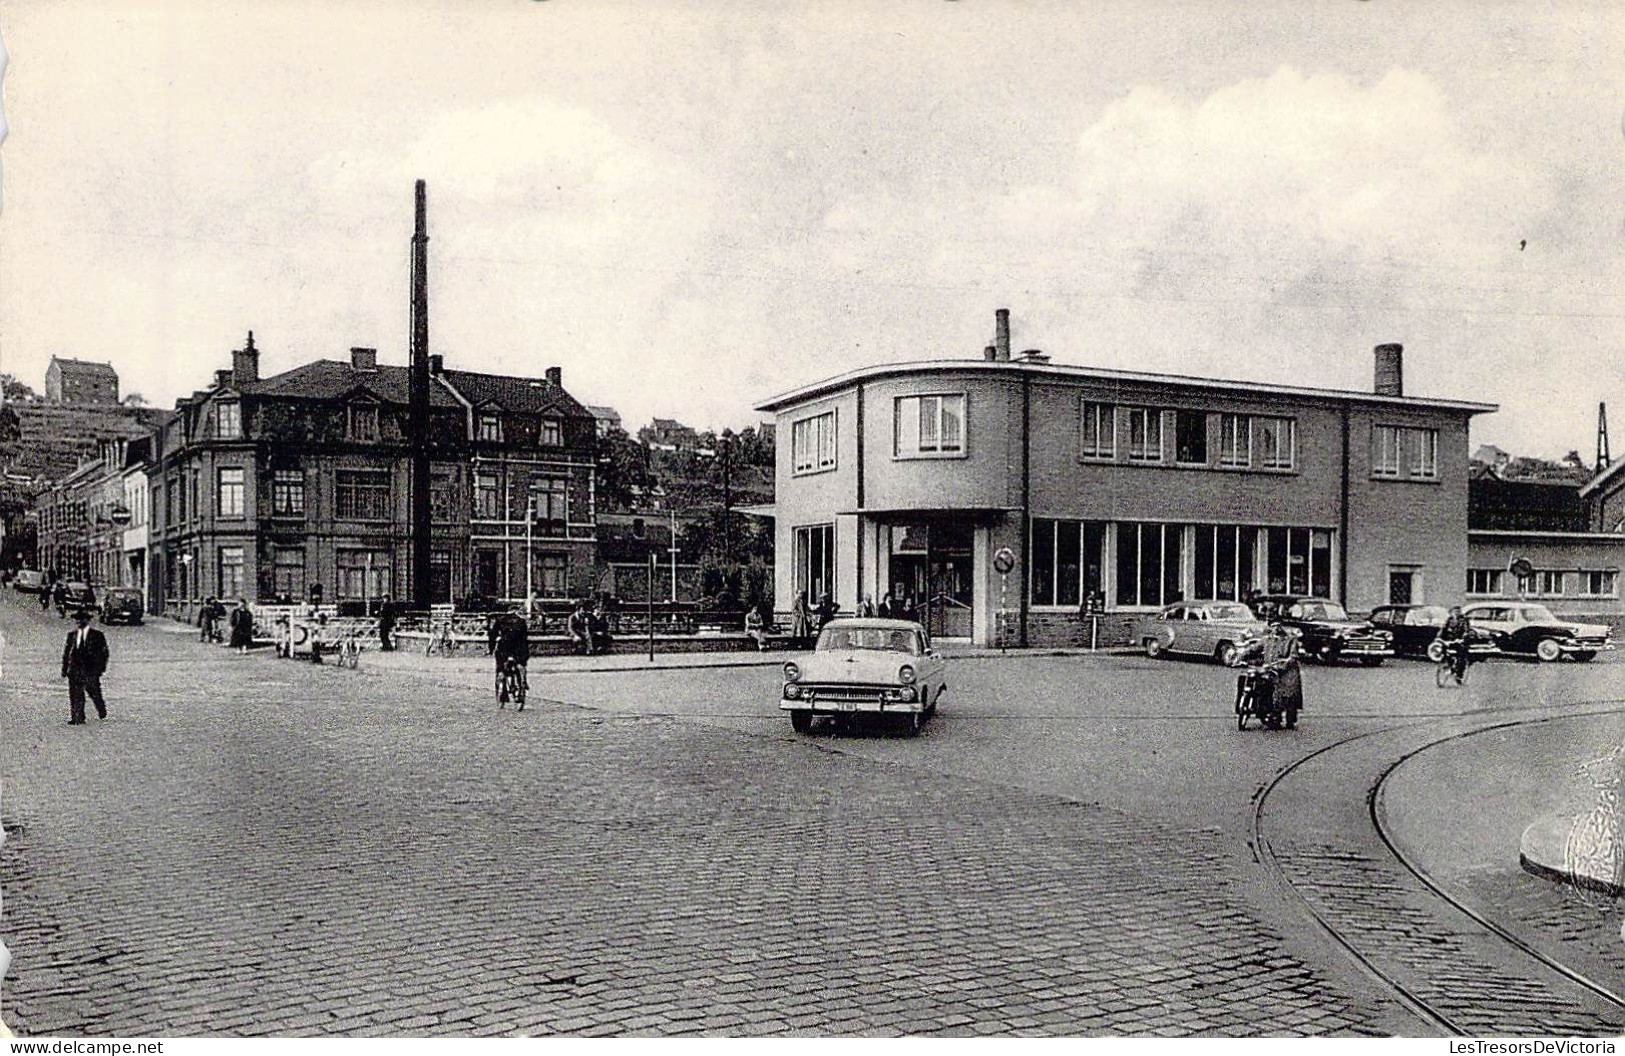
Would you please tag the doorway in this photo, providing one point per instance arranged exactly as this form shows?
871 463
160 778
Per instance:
933 571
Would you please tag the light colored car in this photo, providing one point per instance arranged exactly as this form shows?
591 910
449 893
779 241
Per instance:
865 666
1524 629
29 581
1216 629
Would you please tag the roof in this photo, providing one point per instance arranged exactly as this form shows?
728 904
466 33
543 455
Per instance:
604 413
85 366
1602 478
1066 371
522 395
326 379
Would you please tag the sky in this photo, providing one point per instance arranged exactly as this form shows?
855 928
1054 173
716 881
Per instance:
690 207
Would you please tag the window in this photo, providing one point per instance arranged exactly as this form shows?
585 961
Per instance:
1236 440
1099 431
1484 580
930 425
231 572
1276 442
1549 584
553 576
1599 583
288 573
815 561
440 576
288 493
228 420
364 574
1190 437
443 498
487 497
363 422
1067 558
229 493
1298 561
362 494
490 428
1148 564
1422 447
812 443
552 434
550 503
1385 450
1144 434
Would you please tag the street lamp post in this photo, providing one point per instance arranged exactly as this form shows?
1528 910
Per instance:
673 555
530 559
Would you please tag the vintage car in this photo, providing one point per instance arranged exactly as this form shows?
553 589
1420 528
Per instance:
122 605
1326 631
73 596
865 667
1416 630
1213 629
1522 628
29 581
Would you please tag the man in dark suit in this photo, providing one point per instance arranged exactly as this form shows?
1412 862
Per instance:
84 661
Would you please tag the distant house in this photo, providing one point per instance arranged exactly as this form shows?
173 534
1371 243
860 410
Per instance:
664 434
80 381
608 419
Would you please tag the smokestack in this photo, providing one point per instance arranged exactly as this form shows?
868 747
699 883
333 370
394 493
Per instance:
245 362
555 377
222 378
990 353
1001 335
418 399
437 363
364 358
1390 370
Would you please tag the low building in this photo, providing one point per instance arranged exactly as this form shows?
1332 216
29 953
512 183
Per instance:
80 381
1116 490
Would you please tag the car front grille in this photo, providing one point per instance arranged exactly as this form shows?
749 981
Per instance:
841 691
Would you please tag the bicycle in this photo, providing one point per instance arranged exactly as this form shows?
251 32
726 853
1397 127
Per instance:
1251 685
511 683
1454 663
441 642
349 653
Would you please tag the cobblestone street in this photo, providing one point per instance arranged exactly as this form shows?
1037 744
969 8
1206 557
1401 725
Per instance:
253 846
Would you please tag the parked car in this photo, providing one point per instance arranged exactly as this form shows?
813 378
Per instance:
1214 629
865 666
1327 632
75 595
1526 629
29 581
1416 630
123 605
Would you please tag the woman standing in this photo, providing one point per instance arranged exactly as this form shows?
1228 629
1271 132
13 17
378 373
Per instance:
801 620
242 626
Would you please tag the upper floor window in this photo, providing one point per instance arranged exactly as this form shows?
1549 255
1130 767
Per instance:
490 427
1098 433
1190 437
228 420
443 498
1277 440
552 434
550 502
1422 449
1235 441
812 443
487 496
1484 580
1417 448
229 494
930 425
363 422
1144 434
288 493
1385 451
362 494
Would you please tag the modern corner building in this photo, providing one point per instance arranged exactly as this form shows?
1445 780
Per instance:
1114 490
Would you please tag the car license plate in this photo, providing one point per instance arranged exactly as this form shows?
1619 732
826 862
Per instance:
849 705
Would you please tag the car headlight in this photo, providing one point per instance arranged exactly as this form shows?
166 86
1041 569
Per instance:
792 691
792 672
905 674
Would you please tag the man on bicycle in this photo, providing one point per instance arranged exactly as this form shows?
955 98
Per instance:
1453 638
511 645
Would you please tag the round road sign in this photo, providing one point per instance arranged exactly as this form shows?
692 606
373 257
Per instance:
1004 560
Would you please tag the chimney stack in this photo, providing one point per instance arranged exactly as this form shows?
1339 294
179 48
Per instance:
555 377
990 353
364 358
1001 335
1390 370
222 378
437 363
245 363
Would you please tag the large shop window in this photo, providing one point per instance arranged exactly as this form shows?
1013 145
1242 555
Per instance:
362 494
1067 560
815 561
930 425
1299 561
1277 439
1098 431
1148 564
812 443
1144 434
231 572
364 573
1225 561
1190 437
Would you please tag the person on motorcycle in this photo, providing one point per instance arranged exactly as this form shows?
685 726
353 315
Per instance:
1453 637
1272 661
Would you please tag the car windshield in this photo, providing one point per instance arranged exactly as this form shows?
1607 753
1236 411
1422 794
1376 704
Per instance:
1231 612
875 639
1537 614
1319 610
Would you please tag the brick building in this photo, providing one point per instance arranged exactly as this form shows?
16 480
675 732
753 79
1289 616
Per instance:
80 381
1135 489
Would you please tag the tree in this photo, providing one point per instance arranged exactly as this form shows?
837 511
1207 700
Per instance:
135 399
622 463
13 390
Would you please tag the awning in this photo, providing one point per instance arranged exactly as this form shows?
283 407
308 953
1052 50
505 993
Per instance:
768 510
979 515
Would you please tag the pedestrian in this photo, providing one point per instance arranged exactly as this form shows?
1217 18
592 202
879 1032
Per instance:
580 628
598 627
826 610
242 626
907 611
800 620
867 607
756 626
45 594
386 625
84 661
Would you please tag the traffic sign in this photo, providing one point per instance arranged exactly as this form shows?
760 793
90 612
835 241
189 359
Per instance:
1004 560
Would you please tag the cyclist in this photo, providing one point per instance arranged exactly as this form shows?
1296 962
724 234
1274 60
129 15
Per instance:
1453 638
1272 660
510 636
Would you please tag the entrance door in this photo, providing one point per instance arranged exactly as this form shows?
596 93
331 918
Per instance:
952 570
486 567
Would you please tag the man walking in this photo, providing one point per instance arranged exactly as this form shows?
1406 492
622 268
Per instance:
84 661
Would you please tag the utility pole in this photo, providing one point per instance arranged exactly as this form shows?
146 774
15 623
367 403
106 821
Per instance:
530 560
418 397
1603 460
727 497
673 555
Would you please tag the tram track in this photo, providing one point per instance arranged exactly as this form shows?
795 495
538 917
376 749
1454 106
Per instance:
1374 907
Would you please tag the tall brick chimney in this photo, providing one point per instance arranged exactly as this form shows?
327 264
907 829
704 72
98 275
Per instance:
1001 335
364 358
245 363
1390 370
990 353
555 377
